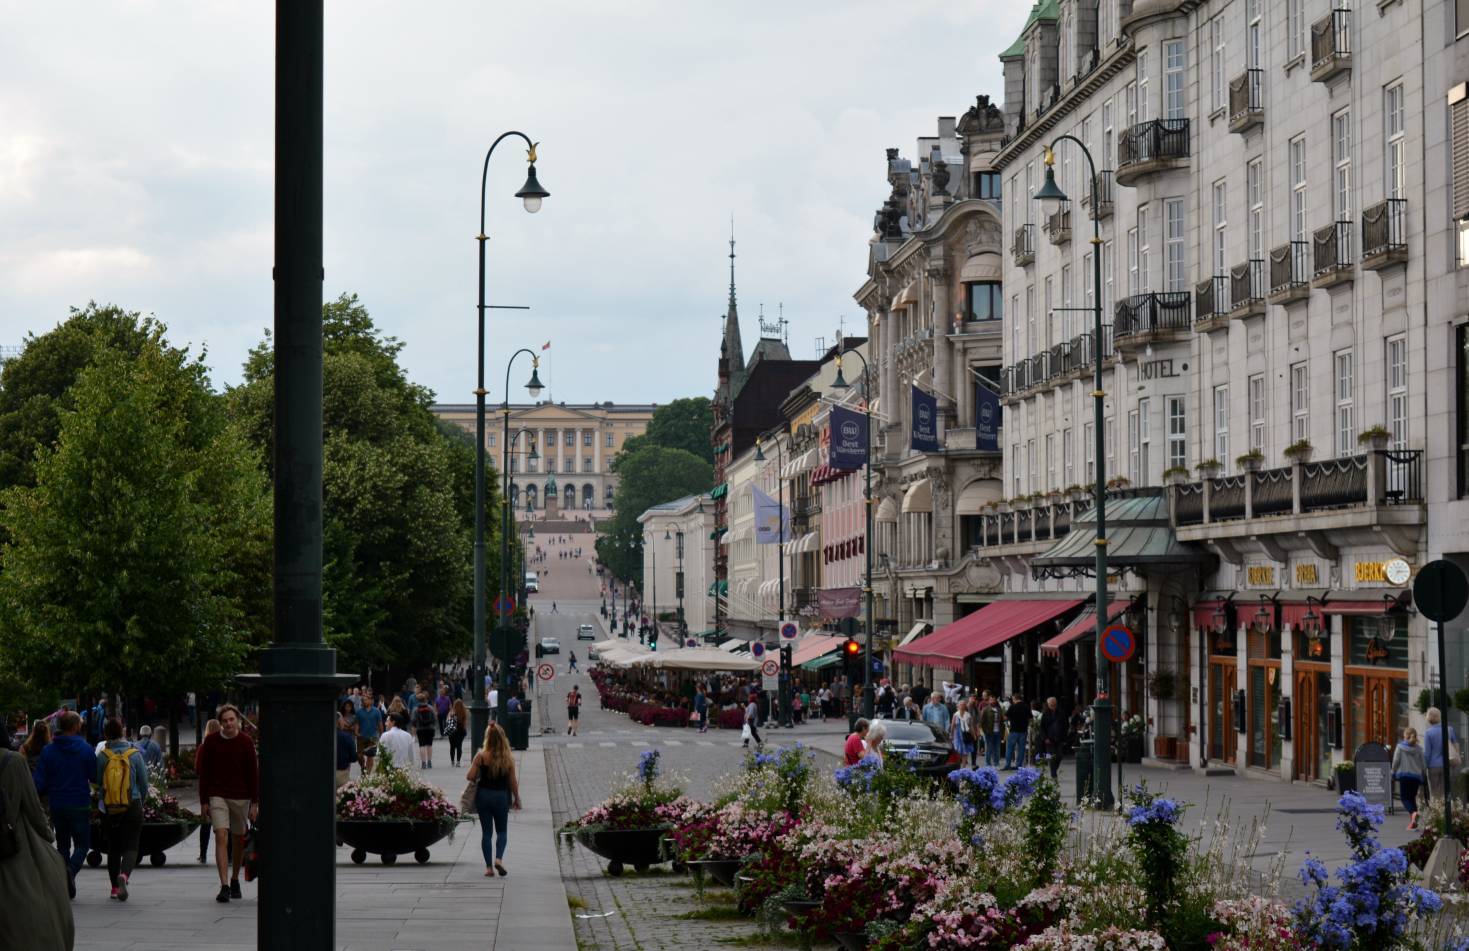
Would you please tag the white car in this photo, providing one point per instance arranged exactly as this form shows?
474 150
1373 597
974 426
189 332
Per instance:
586 632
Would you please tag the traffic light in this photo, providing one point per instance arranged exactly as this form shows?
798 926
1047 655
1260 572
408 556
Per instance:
851 648
785 658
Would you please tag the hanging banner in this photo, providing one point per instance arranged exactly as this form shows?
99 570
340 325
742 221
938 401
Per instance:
986 419
848 439
925 422
838 603
772 521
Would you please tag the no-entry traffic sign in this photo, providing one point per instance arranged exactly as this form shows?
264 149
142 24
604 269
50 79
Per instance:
1118 644
770 668
546 673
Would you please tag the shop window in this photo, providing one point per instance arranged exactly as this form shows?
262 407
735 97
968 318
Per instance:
1312 646
1378 642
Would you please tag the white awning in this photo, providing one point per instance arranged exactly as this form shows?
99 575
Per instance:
803 463
919 497
908 295
805 543
731 645
971 501
887 511
919 629
980 267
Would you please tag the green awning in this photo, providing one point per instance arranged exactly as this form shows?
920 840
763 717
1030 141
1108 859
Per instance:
719 491
1139 537
821 662
722 587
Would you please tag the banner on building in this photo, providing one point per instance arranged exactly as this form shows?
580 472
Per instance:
925 422
848 439
838 603
772 520
986 419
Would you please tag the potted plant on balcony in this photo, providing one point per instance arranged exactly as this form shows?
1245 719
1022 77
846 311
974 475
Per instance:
1299 451
1209 469
1119 482
1374 437
1078 493
1250 461
1175 475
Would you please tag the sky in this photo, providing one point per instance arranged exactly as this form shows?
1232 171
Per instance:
136 144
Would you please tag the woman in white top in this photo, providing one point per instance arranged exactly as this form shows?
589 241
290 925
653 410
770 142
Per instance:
876 734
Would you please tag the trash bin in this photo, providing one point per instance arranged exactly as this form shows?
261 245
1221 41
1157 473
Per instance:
517 728
1083 770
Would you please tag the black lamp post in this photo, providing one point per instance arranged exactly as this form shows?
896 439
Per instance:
1051 196
531 193
783 694
533 387
840 383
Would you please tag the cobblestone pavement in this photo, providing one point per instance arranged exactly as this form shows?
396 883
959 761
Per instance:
635 911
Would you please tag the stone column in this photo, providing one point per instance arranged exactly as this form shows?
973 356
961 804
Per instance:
943 361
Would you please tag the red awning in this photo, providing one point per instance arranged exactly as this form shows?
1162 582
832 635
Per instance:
813 646
990 626
1360 606
1086 623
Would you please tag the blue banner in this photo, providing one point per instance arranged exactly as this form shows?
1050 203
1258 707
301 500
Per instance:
986 419
925 422
772 521
848 439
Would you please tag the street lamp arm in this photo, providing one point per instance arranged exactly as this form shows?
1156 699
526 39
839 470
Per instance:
1051 150
485 175
509 366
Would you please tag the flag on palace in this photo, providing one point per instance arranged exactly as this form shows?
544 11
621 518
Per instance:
772 520
546 345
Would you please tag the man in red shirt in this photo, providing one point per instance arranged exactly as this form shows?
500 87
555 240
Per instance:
229 791
856 744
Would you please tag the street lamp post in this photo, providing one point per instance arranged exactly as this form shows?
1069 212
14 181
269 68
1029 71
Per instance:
1051 196
531 194
840 383
783 694
533 387
678 584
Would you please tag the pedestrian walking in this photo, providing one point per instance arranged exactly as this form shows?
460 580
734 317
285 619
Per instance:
1410 769
456 726
752 722
64 775
34 879
1018 717
397 743
442 703
1433 752
152 752
497 792
35 744
1053 731
122 778
369 728
989 724
573 711
205 831
701 708
960 733
346 748
229 793
424 723
573 661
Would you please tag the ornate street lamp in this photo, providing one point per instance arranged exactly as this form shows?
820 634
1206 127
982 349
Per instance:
840 383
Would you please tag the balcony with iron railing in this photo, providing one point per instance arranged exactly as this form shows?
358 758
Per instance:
1247 100
1331 45
1157 145
1332 259
1067 360
1247 290
1384 234
1211 304
1023 247
1315 503
1290 272
1103 196
1058 225
1145 319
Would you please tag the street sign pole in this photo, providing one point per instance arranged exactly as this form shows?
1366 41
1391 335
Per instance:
1441 591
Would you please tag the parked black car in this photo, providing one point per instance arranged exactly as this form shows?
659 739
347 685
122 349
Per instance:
935 757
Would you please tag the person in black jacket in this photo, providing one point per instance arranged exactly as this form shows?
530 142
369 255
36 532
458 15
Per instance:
1018 717
1053 732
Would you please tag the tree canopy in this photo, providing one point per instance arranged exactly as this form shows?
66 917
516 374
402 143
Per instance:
683 424
647 477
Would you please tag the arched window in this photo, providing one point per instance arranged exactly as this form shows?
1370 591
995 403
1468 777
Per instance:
607 496
514 494
530 498
588 496
569 496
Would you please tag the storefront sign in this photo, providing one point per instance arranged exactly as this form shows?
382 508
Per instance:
838 603
1307 575
1393 571
1260 576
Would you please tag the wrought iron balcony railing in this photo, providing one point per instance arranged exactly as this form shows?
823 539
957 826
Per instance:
1384 234
1246 100
1290 272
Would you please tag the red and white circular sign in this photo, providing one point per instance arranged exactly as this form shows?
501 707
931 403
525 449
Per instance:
770 668
546 672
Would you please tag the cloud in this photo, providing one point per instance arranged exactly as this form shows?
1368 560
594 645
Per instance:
137 169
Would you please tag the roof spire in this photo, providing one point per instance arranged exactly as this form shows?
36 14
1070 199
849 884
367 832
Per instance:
731 262
733 347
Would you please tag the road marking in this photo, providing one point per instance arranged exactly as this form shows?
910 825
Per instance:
673 742
606 743
576 746
637 742
704 743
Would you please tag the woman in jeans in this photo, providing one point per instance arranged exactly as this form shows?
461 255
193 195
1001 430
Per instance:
456 727
493 772
1410 769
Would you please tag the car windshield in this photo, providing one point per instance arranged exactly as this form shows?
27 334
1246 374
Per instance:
903 731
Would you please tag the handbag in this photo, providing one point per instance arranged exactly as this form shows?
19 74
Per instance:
745 731
466 798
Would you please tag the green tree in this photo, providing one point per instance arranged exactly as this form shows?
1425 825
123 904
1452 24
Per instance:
647 477
683 424
139 559
398 500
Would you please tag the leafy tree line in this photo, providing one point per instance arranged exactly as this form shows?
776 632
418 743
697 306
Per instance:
136 515
672 459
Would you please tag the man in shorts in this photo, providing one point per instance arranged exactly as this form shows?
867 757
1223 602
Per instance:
369 727
229 794
573 711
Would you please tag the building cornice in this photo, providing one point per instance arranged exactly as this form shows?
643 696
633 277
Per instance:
1121 57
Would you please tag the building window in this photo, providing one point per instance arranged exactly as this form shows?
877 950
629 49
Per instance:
1177 433
570 437
1175 59
1216 64
1295 28
1133 448
1109 136
1300 403
1394 125
587 438
1221 424
1341 163
1144 439
1050 311
1015 471
1461 398
1107 284
1257 414
1031 338
490 440
1221 211
1089 450
1088 279
1104 24
1068 316
1297 151
1397 392
586 464
514 463
1015 352
1030 193
610 439
1068 62
985 301
532 465
1144 285
1143 85
1255 198
1176 268
1068 460
568 465
1346 428
1031 482
1252 33
1050 460
1109 435
987 185
1129 104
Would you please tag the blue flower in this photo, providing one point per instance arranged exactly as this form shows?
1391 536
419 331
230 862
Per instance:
1165 811
648 766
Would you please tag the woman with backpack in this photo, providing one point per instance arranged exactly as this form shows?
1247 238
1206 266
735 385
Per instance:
123 779
456 725
425 724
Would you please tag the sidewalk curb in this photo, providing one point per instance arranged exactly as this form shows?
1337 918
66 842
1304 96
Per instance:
534 912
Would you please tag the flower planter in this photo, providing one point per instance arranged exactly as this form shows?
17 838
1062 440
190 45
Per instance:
155 839
1132 748
723 871
639 848
799 907
1346 780
851 940
391 838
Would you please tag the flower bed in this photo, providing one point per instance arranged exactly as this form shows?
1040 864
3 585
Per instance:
649 714
389 794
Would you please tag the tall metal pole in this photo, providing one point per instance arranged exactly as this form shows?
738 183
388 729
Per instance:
503 620
867 699
297 680
783 694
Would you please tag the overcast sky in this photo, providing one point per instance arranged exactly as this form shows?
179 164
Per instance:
136 144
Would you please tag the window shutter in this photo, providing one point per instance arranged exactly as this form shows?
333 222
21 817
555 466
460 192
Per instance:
1459 147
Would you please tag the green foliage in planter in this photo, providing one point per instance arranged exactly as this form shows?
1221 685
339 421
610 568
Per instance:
1175 470
1208 464
1373 432
1254 455
1163 683
1298 447
1345 766
1046 823
1428 698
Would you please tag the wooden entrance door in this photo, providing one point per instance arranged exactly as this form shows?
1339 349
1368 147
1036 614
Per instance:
1308 738
1222 739
1379 726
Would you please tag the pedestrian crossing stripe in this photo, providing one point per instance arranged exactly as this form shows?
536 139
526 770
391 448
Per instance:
673 742
606 743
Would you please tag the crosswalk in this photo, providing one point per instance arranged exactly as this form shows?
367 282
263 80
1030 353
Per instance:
609 744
